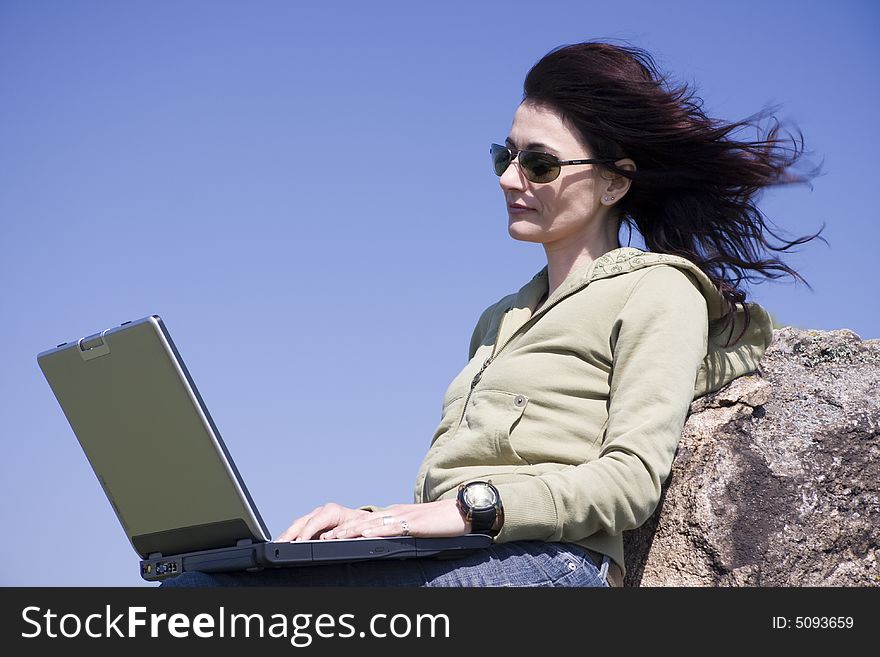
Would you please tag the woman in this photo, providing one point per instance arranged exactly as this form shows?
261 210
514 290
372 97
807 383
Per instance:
557 435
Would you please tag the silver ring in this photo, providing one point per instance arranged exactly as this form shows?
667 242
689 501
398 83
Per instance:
405 526
387 520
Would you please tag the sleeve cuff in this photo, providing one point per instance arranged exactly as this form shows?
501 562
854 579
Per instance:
529 512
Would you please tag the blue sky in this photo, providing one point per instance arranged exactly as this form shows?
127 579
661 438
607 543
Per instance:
302 192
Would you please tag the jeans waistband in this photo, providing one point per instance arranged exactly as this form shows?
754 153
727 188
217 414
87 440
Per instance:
607 568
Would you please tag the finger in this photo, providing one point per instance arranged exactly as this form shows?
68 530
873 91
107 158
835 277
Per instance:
353 525
299 526
296 526
396 526
328 517
313 528
350 528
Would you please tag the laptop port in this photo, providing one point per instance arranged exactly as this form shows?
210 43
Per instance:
166 568
159 568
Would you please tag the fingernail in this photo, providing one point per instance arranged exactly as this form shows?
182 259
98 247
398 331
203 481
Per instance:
367 532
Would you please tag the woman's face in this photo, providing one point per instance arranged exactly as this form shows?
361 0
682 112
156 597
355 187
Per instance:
567 211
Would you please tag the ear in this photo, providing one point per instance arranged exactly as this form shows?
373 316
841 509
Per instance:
617 185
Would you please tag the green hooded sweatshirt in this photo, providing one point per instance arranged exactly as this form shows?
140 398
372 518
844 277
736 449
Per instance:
575 411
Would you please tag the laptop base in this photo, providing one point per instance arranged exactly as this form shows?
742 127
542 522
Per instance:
257 556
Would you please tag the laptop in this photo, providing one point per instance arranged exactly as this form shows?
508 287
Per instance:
166 471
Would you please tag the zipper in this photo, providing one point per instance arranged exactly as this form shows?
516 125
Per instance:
479 374
474 383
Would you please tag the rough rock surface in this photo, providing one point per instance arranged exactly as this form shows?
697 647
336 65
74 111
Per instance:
777 478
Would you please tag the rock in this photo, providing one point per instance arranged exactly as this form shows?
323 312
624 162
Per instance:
776 481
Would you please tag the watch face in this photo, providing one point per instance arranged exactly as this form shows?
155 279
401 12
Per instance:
479 496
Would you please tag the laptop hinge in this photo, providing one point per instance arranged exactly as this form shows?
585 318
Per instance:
243 542
154 555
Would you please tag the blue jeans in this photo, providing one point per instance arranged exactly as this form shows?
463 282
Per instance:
519 563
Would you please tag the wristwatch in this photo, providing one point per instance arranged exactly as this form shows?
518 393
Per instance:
480 504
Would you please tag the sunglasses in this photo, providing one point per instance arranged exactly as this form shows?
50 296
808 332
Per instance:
536 166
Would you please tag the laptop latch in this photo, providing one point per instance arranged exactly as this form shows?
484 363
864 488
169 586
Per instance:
93 346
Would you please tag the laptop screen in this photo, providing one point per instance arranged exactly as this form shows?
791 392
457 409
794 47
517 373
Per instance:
150 440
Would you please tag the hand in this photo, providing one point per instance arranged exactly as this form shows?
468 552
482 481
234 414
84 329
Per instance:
441 518
325 517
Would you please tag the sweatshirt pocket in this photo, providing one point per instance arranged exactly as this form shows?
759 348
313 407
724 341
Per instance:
492 418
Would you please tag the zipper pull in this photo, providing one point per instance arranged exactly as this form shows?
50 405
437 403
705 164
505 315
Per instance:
480 373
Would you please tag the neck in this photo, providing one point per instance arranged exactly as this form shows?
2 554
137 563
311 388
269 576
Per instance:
563 260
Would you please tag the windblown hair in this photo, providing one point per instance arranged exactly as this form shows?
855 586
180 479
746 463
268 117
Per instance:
693 193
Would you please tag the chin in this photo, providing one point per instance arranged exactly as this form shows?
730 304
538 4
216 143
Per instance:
525 233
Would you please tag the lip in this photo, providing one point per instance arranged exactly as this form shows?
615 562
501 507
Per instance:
519 209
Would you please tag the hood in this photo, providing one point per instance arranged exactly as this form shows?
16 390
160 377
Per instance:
723 362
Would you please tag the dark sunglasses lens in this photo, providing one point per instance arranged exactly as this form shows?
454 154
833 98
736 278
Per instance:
500 158
539 167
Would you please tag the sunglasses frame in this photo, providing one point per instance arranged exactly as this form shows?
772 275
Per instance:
514 154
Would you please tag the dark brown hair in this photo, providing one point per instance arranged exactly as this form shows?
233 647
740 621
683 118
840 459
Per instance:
693 192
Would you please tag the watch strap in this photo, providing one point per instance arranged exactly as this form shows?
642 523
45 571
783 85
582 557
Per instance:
483 519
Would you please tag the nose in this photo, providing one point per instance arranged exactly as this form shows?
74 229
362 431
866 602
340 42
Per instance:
512 178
